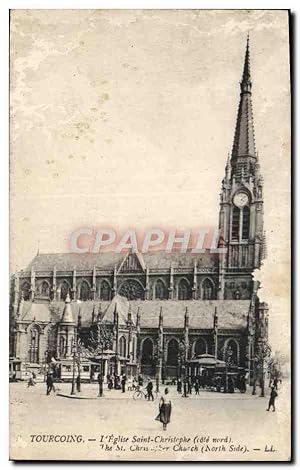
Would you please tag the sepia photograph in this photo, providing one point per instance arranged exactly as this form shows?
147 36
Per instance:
150 235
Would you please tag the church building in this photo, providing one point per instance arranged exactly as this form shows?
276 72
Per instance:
164 310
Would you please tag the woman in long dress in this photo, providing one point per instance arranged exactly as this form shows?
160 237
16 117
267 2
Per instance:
165 408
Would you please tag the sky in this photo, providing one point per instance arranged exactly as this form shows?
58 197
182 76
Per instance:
125 119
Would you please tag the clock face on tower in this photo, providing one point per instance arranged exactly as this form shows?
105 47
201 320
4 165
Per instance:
241 199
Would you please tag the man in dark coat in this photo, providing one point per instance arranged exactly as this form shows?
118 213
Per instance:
185 388
273 396
50 384
189 386
123 383
150 391
100 382
140 380
275 383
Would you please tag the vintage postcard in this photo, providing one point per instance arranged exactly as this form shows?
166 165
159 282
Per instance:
150 170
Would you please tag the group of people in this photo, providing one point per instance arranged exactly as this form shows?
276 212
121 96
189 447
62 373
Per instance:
114 382
218 383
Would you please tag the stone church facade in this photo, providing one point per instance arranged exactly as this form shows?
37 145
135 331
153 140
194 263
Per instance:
162 308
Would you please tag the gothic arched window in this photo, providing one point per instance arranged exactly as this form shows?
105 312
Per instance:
231 353
207 290
51 335
235 226
26 290
184 290
61 346
173 350
122 346
200 347
84 291
147 352
104 290
246 223
33 350
132 290
45 290
64 289
160 290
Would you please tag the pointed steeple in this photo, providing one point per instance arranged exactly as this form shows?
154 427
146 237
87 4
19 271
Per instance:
138 321
244 139
99 314
129 315
79 319
21 305
186 318
116 316
93 314
67 316
161 319
246 83
216 320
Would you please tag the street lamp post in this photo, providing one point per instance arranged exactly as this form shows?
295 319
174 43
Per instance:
45 367
101 375
254 374
73 392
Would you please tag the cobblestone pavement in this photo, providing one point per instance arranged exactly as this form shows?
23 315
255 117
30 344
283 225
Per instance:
118 427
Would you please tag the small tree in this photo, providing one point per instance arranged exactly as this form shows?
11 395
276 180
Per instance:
96 344
229 361
184 351
260 360
276 365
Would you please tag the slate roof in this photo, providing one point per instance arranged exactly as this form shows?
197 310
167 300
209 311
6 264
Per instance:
232 314
108 260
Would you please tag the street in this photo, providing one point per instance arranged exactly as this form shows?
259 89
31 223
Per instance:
211 426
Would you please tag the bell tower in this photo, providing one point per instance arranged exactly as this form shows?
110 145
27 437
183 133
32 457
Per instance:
241 201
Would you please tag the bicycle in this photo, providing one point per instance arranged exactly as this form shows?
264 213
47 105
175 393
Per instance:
141 394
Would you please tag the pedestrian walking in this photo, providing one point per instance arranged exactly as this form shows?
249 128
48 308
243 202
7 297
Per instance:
197 387
243 385
165 409
218 383
150 391
140 380
179 386
50 384
134 384
123 383
272 399
230 384
100 382
110 383
189 386
184 389
31 381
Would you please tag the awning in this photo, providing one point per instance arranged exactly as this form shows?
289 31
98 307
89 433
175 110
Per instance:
207 360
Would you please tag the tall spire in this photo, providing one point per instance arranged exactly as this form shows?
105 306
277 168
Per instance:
244 139
246 83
